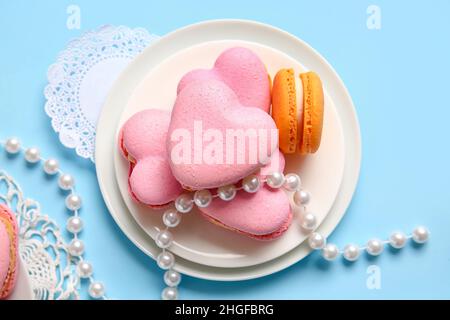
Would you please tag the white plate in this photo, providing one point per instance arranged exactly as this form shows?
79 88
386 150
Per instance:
196 239
198 34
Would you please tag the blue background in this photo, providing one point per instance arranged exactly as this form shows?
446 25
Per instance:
397 76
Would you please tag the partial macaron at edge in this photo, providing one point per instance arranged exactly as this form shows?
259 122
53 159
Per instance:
4 254
7 218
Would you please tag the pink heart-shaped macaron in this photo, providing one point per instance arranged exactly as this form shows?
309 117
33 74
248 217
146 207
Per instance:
204 152
143 142
264 215
241 70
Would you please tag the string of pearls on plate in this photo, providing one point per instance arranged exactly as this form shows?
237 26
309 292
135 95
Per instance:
308 221
73 202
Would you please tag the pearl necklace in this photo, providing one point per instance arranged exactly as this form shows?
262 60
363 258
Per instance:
308 222
202 198
73 202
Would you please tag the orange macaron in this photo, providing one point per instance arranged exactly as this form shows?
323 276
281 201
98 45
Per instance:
297 109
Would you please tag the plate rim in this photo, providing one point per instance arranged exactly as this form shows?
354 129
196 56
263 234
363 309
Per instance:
296 254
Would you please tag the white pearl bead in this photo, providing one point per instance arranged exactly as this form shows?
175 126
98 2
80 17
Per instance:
251 184
202 198
316 241
73 202
301 197
84 269
227 193
12 145
169 293
420 235
275 180
32 155
172 278
165 260
96 290
330 252
374 247
397 240
308 221
351 252
66 181
76 248
171 218
292 182
74 225
164 239
51 166
184 203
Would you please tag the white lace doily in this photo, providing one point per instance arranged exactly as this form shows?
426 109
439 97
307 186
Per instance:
41 246
81 78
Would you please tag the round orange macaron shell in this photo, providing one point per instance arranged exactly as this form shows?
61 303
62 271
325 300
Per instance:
313 108
284 109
